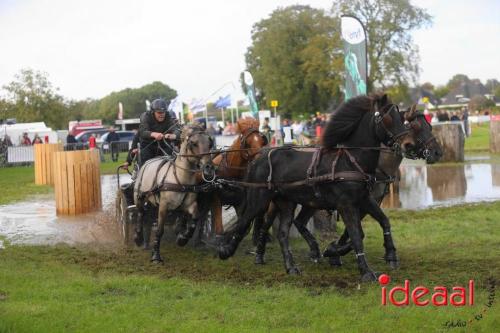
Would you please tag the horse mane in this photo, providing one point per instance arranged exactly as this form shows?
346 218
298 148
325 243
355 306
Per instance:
187 129
345 119
244 124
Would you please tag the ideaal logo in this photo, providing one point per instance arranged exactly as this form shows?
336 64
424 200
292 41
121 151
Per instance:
459 296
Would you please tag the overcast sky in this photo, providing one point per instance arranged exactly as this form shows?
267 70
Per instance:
91 48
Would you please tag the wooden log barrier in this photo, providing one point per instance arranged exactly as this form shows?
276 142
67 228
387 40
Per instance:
77 182
44 170
495 134
450 136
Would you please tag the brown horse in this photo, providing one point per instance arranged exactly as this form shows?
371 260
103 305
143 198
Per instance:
232 164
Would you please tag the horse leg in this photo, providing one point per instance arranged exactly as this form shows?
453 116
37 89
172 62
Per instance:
271 214
184 236
376 212
139 235
351 217
257 201
286 218
162 217
300 223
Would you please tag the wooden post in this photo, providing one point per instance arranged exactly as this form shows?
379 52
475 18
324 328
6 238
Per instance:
77 182
450 136
44 170
495 134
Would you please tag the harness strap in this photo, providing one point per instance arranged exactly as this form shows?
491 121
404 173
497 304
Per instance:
270 177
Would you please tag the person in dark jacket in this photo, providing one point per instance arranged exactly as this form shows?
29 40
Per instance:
156 125
113 140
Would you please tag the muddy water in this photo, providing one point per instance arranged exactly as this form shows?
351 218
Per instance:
35 221
423 186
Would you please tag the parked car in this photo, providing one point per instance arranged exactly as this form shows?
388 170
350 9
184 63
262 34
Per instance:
84 136
125 138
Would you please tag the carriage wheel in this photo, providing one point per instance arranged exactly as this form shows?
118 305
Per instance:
124 218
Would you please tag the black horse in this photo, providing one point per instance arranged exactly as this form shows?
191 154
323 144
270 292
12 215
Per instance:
328 178
426 147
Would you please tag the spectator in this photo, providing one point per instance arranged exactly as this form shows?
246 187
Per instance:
92 142
113 139
7 141
25 140
46 138
211 130
229 130
465 119
37 139
454 117
220 129
427 116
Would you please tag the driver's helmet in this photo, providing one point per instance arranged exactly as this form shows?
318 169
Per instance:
159 105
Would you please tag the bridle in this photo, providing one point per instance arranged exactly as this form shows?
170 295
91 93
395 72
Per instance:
424 149
243 141
394 139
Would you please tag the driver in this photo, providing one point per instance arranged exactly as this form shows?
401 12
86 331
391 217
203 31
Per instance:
157 124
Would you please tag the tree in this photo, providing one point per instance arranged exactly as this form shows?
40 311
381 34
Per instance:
456 81
393 57
400 94
133 100
479 102
427 86
491 85
34 99
294 58
441 91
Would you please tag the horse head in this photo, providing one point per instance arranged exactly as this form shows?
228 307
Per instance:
389 126
196 145
426 146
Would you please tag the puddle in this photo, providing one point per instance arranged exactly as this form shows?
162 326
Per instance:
35 221
425 186
421 186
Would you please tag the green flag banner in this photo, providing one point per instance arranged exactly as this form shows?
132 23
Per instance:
356 66
248 79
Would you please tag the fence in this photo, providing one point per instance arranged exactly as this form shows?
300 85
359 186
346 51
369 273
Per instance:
77 182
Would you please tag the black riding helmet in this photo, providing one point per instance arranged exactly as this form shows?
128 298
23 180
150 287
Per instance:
159 105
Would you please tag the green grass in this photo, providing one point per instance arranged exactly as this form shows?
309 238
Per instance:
99 289
18 183
480 138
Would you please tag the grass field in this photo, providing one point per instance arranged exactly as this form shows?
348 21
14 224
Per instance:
113 289
480 138
17 183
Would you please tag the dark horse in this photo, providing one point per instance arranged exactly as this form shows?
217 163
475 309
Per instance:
328 178
426 147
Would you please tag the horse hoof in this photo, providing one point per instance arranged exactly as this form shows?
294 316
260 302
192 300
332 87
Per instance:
293 271
331 251
393 264
138 239
225 252
156 259
181 240
370 277
335 261
259 260
315 257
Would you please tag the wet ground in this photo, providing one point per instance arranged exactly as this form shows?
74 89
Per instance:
35 221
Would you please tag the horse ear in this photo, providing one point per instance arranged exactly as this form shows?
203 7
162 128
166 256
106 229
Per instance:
413 108
384 100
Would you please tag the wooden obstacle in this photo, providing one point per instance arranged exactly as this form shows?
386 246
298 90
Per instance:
44 171
495 134
451 137
77 182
